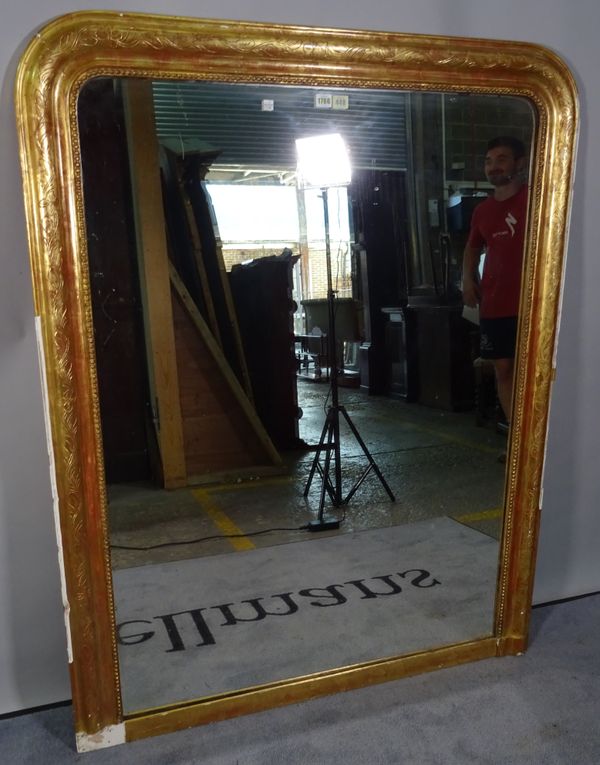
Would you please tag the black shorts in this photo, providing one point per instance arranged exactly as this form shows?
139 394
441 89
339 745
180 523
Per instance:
498 337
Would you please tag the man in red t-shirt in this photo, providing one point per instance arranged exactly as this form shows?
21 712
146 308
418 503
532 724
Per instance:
498 228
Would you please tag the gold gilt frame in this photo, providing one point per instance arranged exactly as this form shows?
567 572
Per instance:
79 46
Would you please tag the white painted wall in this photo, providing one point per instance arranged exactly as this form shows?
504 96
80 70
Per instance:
32 644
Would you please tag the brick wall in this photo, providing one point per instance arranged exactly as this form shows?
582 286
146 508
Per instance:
235 256
317 274
315 264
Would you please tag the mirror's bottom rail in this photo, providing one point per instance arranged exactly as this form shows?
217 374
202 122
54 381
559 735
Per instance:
169 719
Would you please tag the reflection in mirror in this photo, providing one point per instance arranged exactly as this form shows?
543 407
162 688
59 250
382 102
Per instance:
208 276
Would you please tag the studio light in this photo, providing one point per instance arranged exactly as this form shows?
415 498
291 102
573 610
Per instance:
324 163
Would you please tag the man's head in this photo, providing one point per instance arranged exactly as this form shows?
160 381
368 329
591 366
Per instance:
504 160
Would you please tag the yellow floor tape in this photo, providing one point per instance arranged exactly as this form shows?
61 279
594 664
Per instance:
222 521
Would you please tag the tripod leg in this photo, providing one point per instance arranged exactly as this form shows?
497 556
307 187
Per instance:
367 453
324 472
315 463
335 425
325 475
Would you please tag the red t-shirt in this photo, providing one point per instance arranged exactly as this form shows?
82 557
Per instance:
499 226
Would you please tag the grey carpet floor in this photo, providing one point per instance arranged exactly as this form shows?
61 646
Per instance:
541 708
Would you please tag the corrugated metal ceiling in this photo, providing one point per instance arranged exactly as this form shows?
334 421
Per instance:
230 118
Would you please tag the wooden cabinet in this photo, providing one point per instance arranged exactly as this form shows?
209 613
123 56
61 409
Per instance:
445 358
262 293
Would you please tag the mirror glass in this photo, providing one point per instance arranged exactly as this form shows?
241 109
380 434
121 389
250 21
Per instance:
239 319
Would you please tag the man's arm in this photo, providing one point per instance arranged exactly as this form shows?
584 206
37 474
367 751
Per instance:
470 276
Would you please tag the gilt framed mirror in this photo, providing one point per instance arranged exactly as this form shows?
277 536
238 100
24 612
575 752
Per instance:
183 281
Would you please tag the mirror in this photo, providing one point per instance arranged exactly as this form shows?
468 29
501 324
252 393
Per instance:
208 153
207 323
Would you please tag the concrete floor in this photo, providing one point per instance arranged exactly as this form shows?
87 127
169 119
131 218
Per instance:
437 463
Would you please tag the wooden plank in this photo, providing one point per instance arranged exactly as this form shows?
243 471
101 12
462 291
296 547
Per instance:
228 379
231 314
196 244
154 277
215 437
193 167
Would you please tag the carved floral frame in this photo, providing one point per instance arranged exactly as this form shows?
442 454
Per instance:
76 47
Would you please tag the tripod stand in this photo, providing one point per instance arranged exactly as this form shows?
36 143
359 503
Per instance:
329 442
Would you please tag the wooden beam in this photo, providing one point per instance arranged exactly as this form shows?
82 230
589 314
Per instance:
154 277
232 315
196 244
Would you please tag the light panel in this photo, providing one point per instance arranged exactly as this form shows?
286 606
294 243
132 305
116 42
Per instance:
323 161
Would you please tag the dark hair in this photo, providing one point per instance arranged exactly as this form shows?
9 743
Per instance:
514 144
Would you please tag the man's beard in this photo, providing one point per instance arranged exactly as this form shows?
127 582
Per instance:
498 179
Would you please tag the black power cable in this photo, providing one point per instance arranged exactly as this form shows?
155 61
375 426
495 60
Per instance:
207 539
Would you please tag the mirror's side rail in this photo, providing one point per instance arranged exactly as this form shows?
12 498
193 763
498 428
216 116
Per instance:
556 99
45 109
